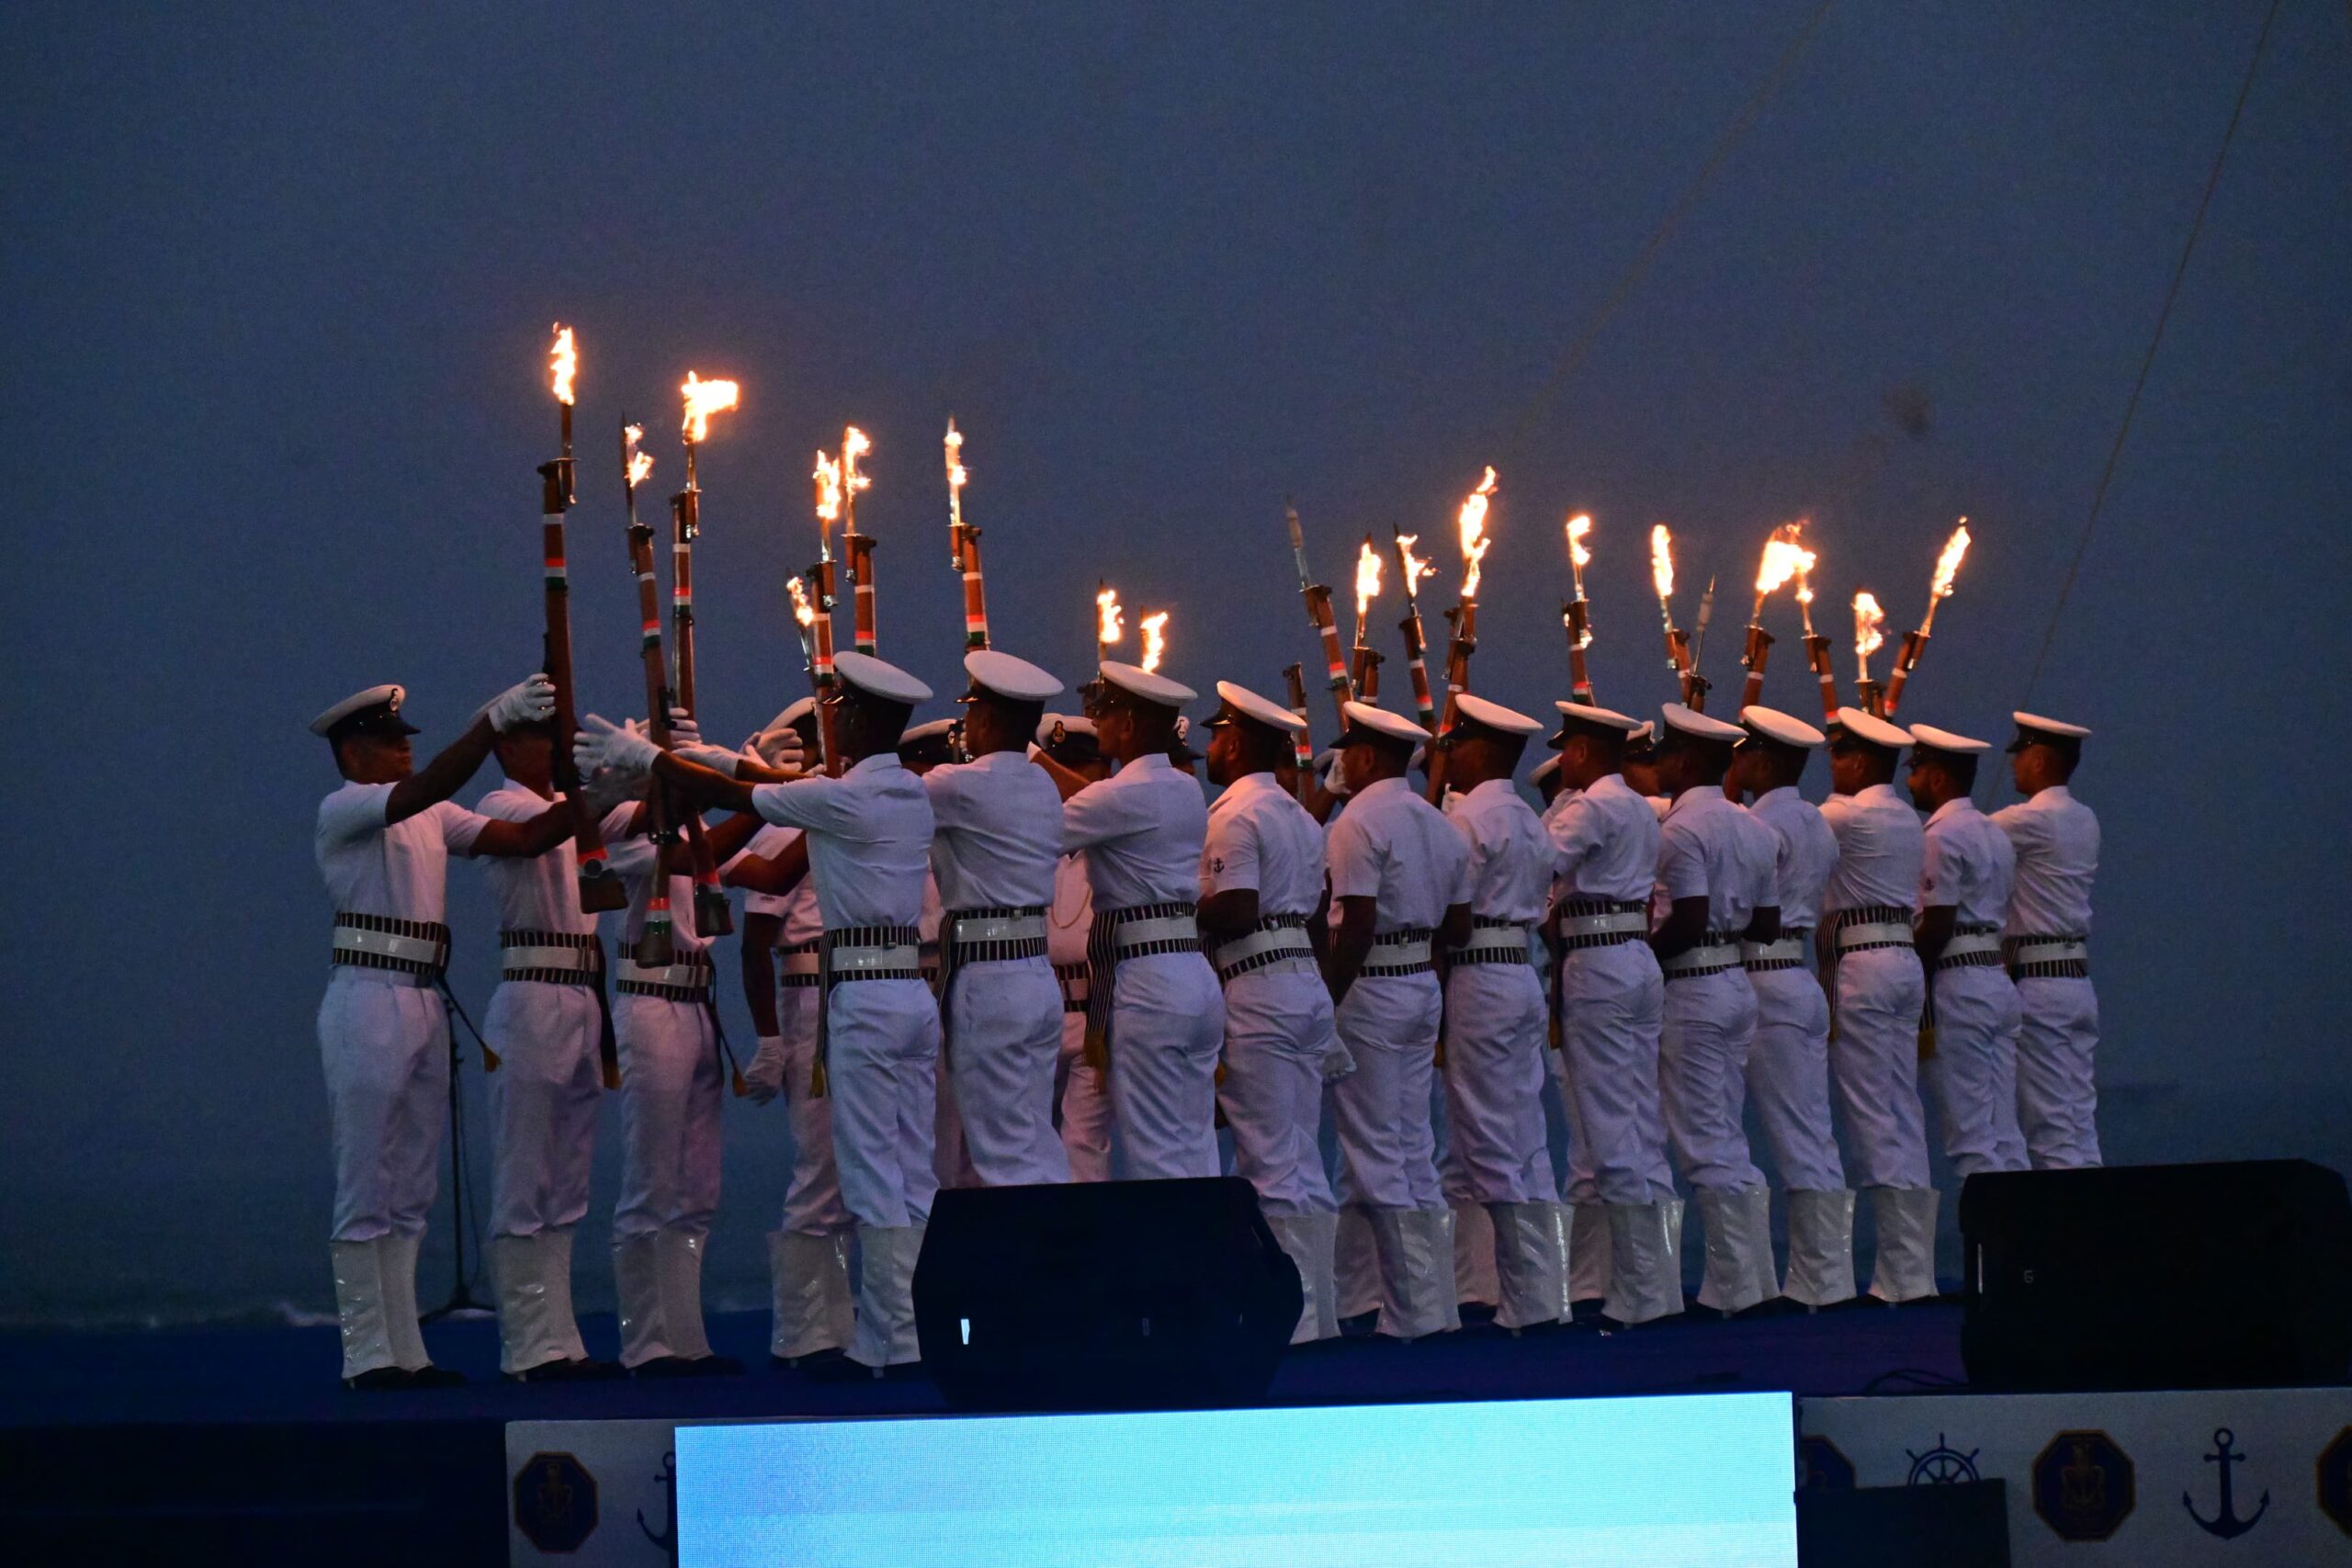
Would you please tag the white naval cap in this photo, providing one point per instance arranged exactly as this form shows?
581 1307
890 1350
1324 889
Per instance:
2035 730
1543 770
1872 729
1249 705
1494 716
1690 721
1585 715
1015 679
1382 724
1055 727
930 729
795 714
1929 737
877 677
1138 682
1773 724
376 710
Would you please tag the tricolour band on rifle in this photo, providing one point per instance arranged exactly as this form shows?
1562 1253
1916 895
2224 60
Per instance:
860 547
1470 527
1410 569
713 917
599 889
964 545
1320 616
1294 687
1784 557
1575 614
1364 661
1939 590
1816 644
824 588
656 946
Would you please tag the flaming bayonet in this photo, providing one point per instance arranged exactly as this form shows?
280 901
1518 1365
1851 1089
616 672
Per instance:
1471 529
1412 568
1320 616
599 889
1784 558
1870 635
860 547
1575 614
1678 642
964 545
1939 589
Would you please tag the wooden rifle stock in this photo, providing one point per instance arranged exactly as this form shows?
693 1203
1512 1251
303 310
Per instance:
712 916
599 889
1576 616
1914 644
1464 643
861 577
1295 685
1817 653
828 738
964 555
1758 650
656 947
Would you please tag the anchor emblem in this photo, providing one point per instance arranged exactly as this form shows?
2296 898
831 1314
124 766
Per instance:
667 1541
2225 1523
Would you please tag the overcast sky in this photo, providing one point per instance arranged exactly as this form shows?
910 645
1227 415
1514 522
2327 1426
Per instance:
277 288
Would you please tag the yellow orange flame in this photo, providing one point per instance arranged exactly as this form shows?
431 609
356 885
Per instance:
802 611
703 400
1155 641
563 364
1108 628
1948 563
1783 559
828 489
1416 568
1367 582
855 446
1579 554
1870 623
1662 562
955 474
639 463
1473 525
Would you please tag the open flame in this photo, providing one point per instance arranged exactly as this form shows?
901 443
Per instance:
1472 523
828 476
1155 640
639 463
703 400
1579 554
802 611
955 474
1784 558
1415 567
1662 562
855 446
1948 563
1108 628
1367 582
1869 628
563 364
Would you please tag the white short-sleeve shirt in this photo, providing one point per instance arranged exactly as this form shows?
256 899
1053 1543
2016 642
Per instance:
2056 839
997 832
1262 840
400 870
1392 846
1141 829
1512 857
1968 866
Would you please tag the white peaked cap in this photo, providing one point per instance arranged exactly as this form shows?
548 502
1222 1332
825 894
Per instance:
878 678
1250 706
1935 739
1786 728
1494 716
1138 682
386 695
1016 679
791 715
1381 722
1068 723
1599 718
1871 728
1697 726
1543 770
931 729
2057 727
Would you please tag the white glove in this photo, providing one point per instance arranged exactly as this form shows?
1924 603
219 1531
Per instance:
764 1077
717 758
683 730
622 748
527 702
1335 781
780 748
1338 1062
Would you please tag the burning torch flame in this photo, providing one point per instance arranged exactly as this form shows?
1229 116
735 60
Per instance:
1154 640
1108 629
1870 635
955 474
1662 562
1579 555
1474 534
802 611
1948 563
1783 559
703 400
1367 584
640 464
828 476
1416 568
564 363
855 446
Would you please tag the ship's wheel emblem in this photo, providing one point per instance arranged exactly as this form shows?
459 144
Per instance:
1943 1465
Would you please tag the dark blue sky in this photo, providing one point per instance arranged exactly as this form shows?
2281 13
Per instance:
277 285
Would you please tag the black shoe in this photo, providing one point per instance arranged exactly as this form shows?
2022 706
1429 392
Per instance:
577 1370
1775 1306
375 1380
431 1376
1608 1325
1477 1313
1590 1310
714 1366
807 1362
1360 1326
665 1367
587 1368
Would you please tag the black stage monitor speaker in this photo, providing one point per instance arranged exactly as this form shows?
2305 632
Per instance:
2166 1276
1104 1295
1960 1524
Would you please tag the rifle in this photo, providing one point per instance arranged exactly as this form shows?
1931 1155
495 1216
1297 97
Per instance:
964 545
712 916
1320 616
599 889
656 946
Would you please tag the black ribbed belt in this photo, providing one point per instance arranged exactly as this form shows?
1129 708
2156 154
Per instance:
386 941
1785 952
687 980
853 939
802 975
1268 945
588 971
1691 962
1073 981
2075 965
1888 915
1406 938
1575 912
1983 950
1492 942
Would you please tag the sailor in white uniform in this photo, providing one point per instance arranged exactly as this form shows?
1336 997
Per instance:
1588 1244
998 838
384 840
1877 993
1153 999
869 834
1399 884
1262 883
1964 897
1610 1006
2047 941
1787 1071
1716 891
1081 1095
1496 1025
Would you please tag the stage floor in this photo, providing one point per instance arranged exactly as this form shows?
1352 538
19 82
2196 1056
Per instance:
277 1373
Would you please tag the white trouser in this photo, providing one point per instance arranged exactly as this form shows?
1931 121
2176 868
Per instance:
1083 1104
543 1102
1388 1150
1975 1069
1277 1027
882 1054
2057 1091
1166 1026
1874 1065
812 1197
670 1135
951 1158
385 1044
1494 1084
1610 1006
1788 1079
1707 1027
1008 1034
